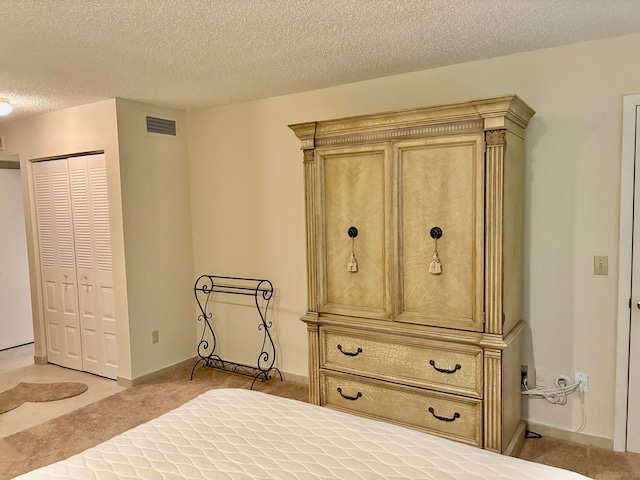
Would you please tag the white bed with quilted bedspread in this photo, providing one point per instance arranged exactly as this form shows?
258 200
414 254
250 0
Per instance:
240 434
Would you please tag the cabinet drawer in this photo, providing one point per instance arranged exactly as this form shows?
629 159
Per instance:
457 418
444 366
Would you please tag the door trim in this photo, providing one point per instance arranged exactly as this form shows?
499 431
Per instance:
630 103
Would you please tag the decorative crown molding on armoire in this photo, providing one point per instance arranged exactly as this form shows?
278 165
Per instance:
414 267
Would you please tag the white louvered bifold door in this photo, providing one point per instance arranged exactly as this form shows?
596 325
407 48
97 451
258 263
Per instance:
57 257
93 262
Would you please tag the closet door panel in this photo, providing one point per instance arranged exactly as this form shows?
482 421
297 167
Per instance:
355 192
57 259
108 323
94 265
97 175
441 185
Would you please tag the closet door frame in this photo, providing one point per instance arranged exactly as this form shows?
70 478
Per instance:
630 105
40 333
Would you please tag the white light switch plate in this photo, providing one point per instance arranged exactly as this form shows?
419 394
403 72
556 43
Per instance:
601 265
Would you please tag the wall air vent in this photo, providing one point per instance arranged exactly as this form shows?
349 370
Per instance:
161 126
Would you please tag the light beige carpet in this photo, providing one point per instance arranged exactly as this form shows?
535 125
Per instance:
592 462
76 431
85 427
38 392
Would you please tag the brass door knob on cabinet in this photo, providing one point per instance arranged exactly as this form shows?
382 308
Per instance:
638 304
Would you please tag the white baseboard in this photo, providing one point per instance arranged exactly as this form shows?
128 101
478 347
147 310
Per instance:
126 382
292 377
43 360
576 437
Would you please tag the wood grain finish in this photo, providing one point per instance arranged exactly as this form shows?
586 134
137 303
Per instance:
494 230
512 438
441 185
460 417
310 209
444 366
314 363
355 193
394 338
512 235
493 400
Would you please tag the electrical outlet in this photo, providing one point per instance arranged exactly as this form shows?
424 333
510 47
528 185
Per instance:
154 336
528 373
561 381
541 378
584 378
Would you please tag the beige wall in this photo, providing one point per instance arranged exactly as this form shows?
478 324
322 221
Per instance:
75 130
246 201
148 181
248 216
157 237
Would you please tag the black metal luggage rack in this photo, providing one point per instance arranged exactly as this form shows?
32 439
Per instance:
262 292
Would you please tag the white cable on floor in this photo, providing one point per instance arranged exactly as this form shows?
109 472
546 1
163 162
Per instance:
583 424
558 396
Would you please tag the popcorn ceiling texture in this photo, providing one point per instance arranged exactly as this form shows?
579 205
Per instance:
190 54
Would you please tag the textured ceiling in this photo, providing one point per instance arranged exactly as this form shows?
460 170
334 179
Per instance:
190 54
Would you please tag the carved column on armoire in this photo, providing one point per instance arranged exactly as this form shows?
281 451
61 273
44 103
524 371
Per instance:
314 359
306 133
503 427
495 145
310 194
493 399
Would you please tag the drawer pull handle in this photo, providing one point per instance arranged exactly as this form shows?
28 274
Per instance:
347 397
443 419
444 370
350 354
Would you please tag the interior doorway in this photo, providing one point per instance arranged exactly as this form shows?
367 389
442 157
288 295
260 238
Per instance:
16 319
627 396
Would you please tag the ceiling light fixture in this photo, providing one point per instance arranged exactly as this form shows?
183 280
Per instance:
5 106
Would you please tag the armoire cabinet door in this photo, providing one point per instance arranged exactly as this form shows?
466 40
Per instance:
354 190
441 184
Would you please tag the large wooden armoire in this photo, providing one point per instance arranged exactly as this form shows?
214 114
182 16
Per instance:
414 267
